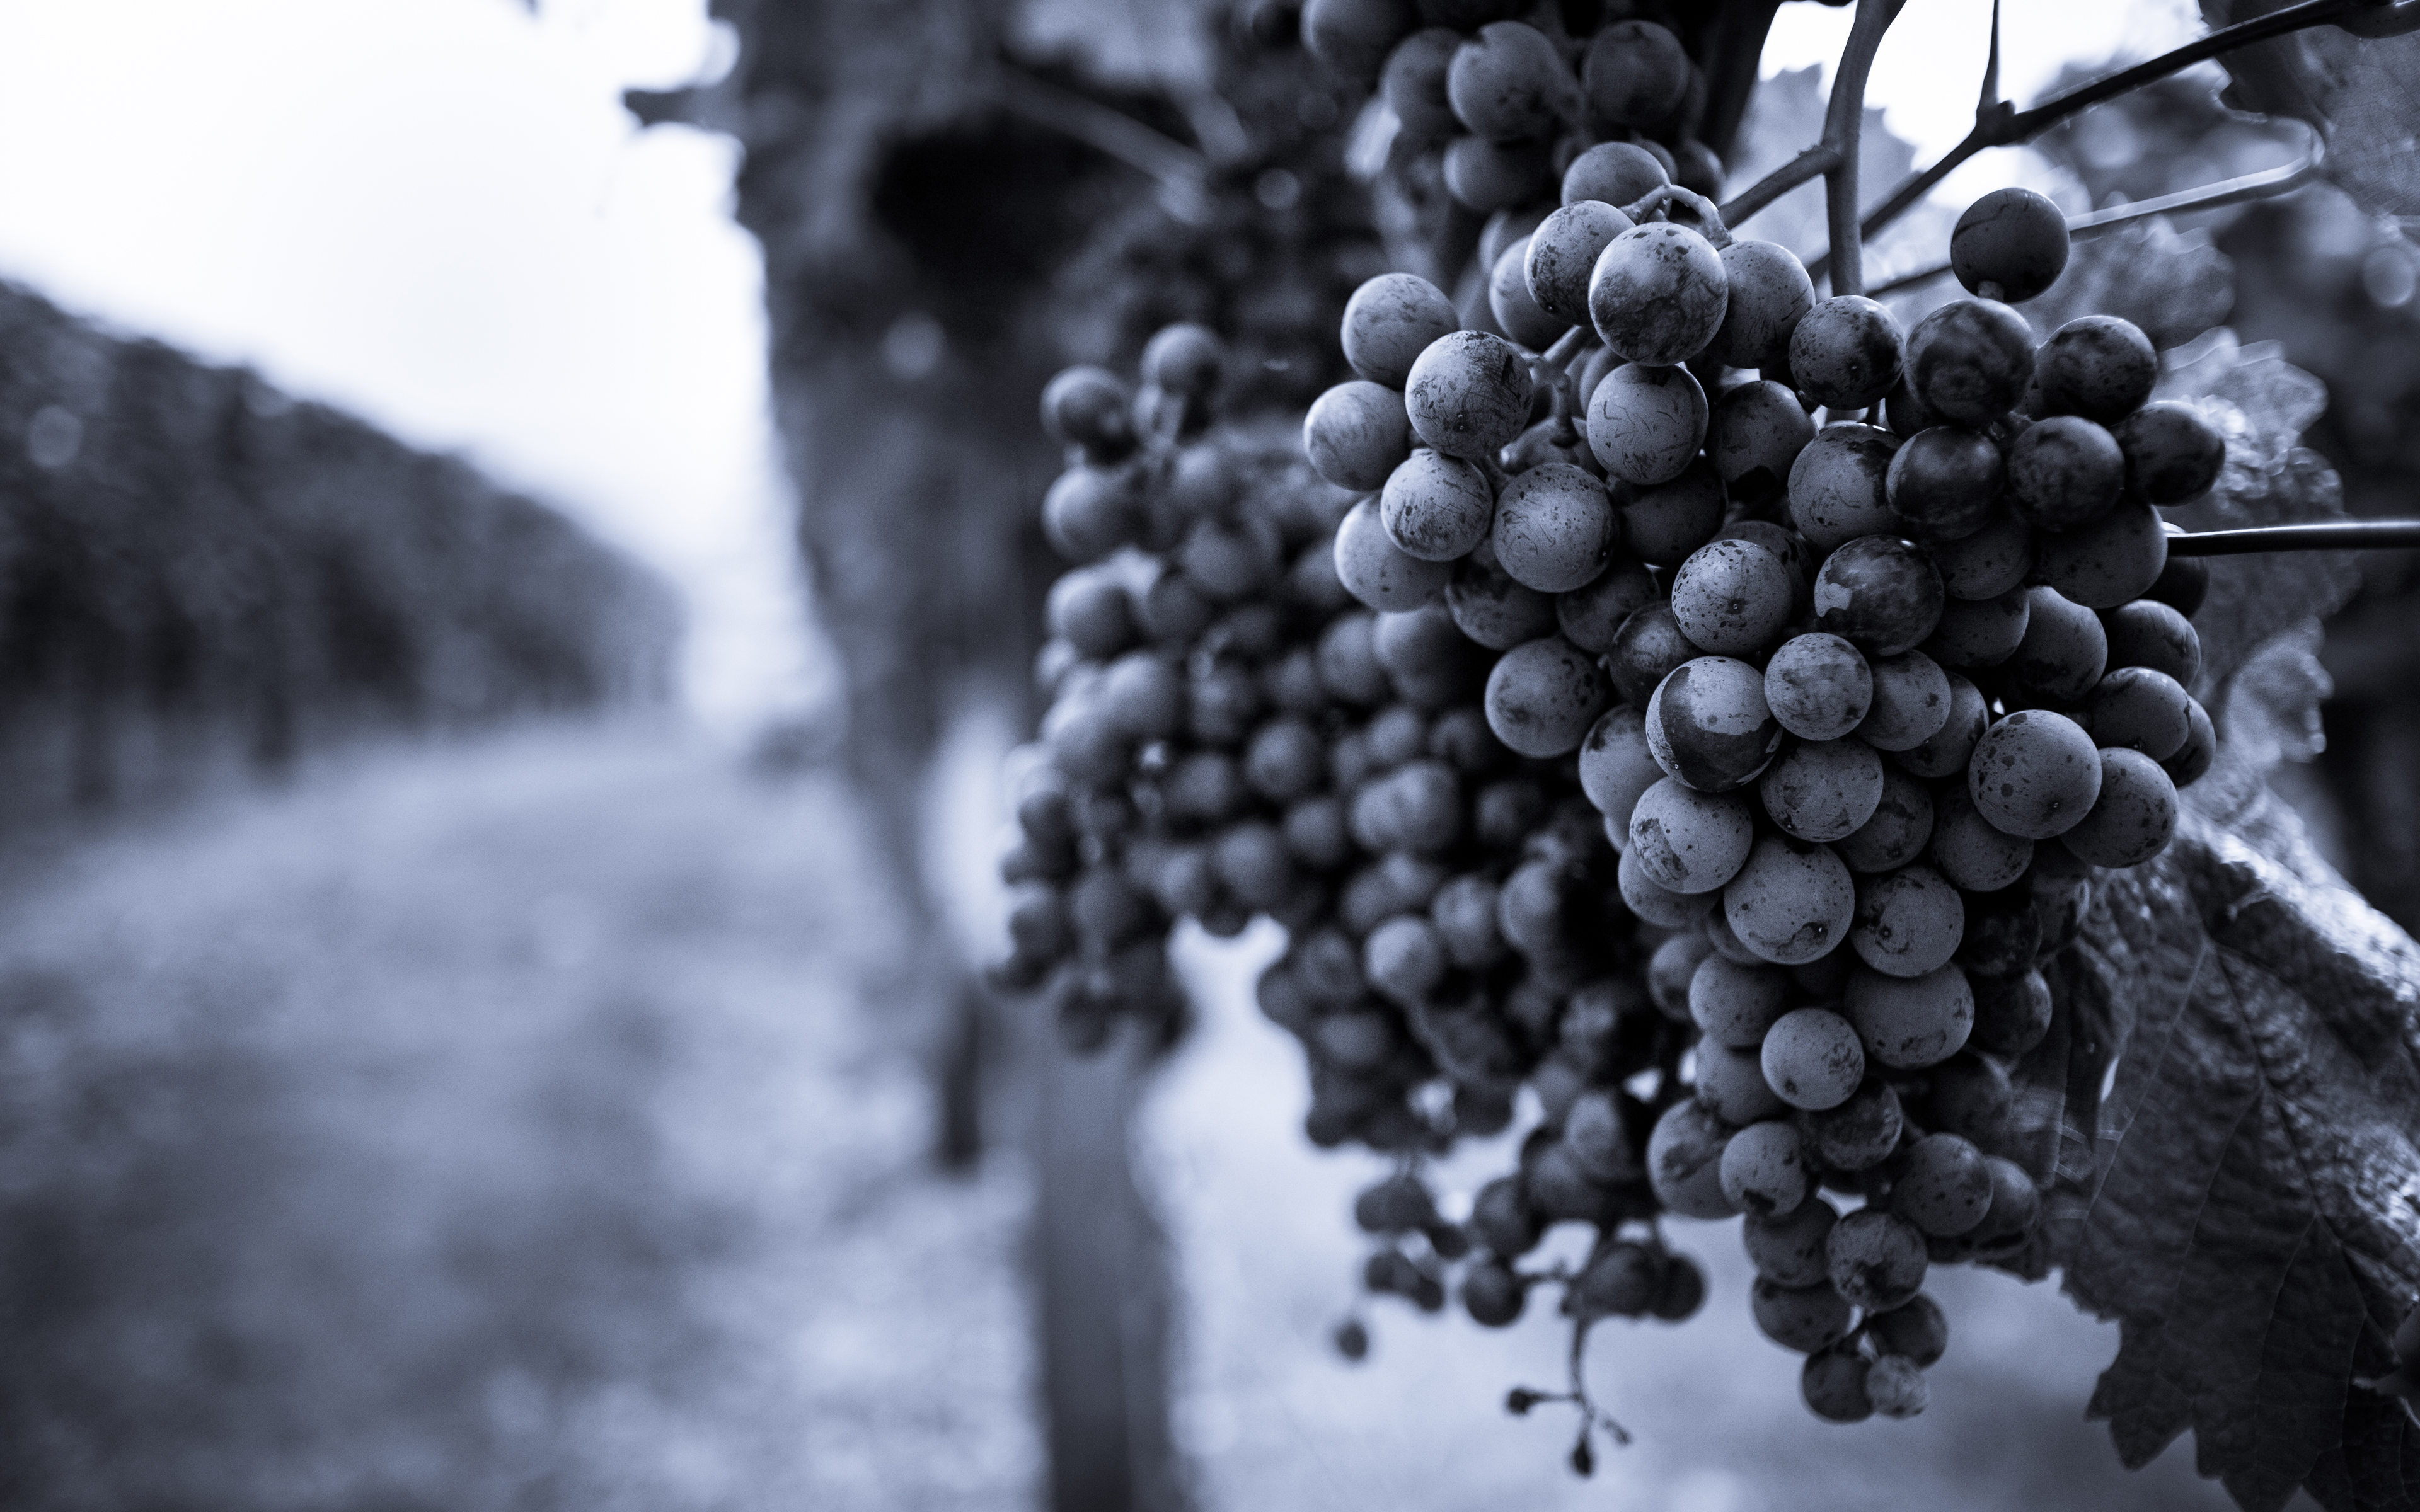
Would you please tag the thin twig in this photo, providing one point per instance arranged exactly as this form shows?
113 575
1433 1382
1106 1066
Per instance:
2333 535
1844 118
1180 169
1813 164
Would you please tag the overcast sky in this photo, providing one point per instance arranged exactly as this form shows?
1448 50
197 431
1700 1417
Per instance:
436 213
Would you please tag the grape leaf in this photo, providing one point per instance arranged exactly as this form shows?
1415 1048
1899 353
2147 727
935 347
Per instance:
2362 94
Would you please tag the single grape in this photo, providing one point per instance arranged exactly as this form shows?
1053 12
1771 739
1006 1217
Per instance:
1413 82
2014 238
1945 1188
2132 819
1635 73
1688 840
2099 367
1708 724
2141 710
1731 597
1912 702
2184 582
1876 1259
1517 313
1086 406
2016 1207
1684 1158
1838 486
2035 774
1970 1096
1979 632
1509 85
2171 453
1468 394
1543 697
1592 615
1909 1023
1356 433
1735 1004
1823 789
1505 227
1769 294
1726 944
1945 752
1463 915
1755 431
1969 851
1992 561
1354 36
1091 512
1493 1294
1555 529
1968 361
2065 471
1791 901
1646 423
1818 686
1861 1133
2148 633
1563 1192
1489 607
1834 1386
1797 559
1090 608
1668 974
1732 1082
1390 321
1909 921
1658 293
1942 482
1598 1135
1378 571
1488 176
1805 1319
1613 172
1914 1331
1646 650
1878 592
1663 523
2063 653
1763 1169
1846 351
1562 257
1654 904
2013 1013
2200 748
1812 1059
1683 1291
1897 1388
1787 1249
2110 560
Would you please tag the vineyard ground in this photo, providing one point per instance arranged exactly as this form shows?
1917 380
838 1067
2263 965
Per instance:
515 1123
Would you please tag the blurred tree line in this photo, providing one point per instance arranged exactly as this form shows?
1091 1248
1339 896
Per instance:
199 574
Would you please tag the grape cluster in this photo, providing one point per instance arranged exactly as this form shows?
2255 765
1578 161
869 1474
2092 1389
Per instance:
1721 770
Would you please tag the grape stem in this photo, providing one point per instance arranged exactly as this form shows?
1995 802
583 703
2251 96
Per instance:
1844 117
1590 1412
2331 535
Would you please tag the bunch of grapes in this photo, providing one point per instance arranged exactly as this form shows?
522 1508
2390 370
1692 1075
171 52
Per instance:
1721 770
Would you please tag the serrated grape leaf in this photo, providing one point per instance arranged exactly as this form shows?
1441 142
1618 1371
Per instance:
2175 286
2362 94
1785 117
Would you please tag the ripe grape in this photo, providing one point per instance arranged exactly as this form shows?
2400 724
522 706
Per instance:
2200 748
1969 851
1838 486
1390 321
2141 710
1592 615
1688 840
1685 1161
1787 1249
1769 294
1859 1134
2184 582
1510 302
2171 453
2003 936
2016 1206
1646 423
2133 817
1091 611
1969 362
1488 176
1505 227
1654 904
1757 428
1646 650
2065 471
1353 37
1489 607
1612 172
1812 1058
1468 394
1413 82
1897 1388
1971 1096
1356 433
1945 1187
1732 1082
1598 1135
1087 406
1805 1319
1846 351
1834 1386
1708 724
1915 1331
1734 1004
1898 832
1542 697
1683 1291
1663 523
2098 366
1979 632
1912 702
1562 257
1992 561
1348 661
1823 789
1143 697
1658 293
1876 1259
1818 686
1909 921
2035 774
2063 652
1880 594
1668 973
1909 1023
2010 237
1635 73
1091 512
1509 85
2110 560
2013 1014
1791 901
1763 1169
1378 571
1493 1294
1555 529
1731 597
1942 482
2148 633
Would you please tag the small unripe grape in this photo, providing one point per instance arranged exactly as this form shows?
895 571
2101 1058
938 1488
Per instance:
1613 172
1488 176
2065 471
2172 455
1897 1388
1787 1249
1542 697
1683 1291
1554 529
1945 1188
1635 73
1708 724
1688 840
1909 1023
2200 748
2111 560
1912 701
1909 921
2064 650
1563 256
1791 901
1731 597
1878 592
1086 406
1390 321
1818 686
2035 774
1968 362
1353 37
1984 632
1684 1159
1468 394
2099 367
1969 851
1356 433
1616 767
1646 423
1992 561
1516 311
1763 1169
1649 647
1915 1331
1823 789
1509 85
1491 608
2013 237
1812 1058
2013 1014
1770 292
1663 523
2135 816
1734 1004
2141 710
1877 1260
1846 351
1413 82
1185 359
1563 1192
1732 1082
1757 428
1658 293
1656 904
1591 616
1942 482
1838 486
1859 1134
1378 571
1898 832
2148 633
1834 1386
